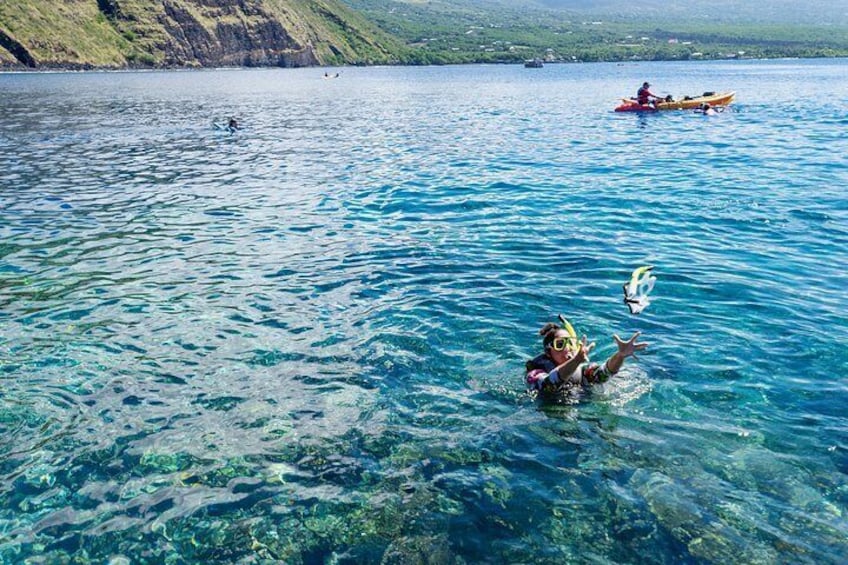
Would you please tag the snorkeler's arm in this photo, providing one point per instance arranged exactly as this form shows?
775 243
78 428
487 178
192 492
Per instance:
625 349
569 367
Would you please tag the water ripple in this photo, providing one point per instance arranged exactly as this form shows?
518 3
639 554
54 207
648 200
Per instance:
303 342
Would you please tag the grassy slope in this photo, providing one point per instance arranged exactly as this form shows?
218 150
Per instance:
6 58
72 31
339 34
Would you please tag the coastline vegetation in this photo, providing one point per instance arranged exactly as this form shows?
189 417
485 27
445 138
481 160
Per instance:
147 34
455 34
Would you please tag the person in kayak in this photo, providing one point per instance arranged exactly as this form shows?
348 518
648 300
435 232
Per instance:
232 125
565 364
644 95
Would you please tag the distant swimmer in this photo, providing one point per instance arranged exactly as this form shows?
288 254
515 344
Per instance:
706 110
231 125
565 365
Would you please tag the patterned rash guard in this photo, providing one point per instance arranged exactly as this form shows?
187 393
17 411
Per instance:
543 377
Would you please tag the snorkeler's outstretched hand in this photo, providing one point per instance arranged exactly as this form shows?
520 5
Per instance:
582 353
630 347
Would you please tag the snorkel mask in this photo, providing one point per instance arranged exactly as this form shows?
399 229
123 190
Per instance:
571 342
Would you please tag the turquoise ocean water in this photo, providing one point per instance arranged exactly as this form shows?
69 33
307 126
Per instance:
304 342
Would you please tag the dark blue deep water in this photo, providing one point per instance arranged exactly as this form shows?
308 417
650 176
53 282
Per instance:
304 342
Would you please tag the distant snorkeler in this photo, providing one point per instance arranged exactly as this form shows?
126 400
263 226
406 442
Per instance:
706 110
564 363
231 125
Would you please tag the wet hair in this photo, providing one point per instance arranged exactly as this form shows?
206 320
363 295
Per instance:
548 333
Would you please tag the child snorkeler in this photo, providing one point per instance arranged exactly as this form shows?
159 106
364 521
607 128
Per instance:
565 361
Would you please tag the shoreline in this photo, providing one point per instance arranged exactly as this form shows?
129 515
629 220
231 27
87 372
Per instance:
23 69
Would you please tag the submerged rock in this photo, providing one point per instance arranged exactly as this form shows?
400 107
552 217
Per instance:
419 550
694 523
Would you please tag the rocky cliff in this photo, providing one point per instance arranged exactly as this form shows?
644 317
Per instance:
186 33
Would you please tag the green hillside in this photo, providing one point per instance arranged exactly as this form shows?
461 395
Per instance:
121 33
72 31
463 31
210 33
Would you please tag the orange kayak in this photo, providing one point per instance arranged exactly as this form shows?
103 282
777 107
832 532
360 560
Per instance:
687 103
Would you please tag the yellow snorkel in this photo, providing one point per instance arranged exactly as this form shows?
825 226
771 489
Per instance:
572 335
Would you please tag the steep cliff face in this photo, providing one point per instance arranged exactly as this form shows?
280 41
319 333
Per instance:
119 33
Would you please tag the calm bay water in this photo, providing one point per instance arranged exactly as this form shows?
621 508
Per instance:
304 342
